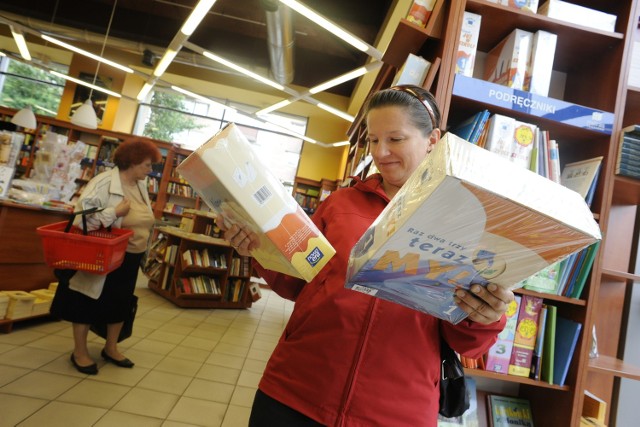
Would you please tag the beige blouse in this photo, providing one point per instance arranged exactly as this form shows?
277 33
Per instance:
140 219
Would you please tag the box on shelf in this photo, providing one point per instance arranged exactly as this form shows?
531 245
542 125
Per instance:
4 304
527 5
466 216
40 306
468 44
20 304
420 12
413 71
506 63
232 180
578 15
540 65
43 293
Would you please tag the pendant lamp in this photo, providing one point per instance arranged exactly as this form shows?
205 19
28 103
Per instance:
25 118
85 116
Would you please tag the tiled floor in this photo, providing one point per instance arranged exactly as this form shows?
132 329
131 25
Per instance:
194 367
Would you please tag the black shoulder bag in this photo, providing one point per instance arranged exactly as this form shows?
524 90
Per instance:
454 399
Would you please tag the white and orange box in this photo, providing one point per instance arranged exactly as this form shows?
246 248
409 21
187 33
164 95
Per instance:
231 179
506 63
468 44
420 11
466 216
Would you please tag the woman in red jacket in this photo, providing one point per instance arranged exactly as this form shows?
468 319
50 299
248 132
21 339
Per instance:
349 359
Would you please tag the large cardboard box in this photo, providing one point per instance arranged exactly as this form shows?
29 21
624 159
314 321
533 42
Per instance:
466 216
231 179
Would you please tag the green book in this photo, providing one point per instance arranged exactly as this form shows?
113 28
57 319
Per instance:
548 352
584 270
546 280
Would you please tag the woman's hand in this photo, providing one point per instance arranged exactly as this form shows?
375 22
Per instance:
484 304
239 236
123 207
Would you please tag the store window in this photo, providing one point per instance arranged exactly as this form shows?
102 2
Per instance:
190 123
22 84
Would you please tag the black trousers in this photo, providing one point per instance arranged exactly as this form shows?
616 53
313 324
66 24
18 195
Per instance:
268 412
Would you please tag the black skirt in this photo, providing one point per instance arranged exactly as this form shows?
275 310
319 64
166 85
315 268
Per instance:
114 303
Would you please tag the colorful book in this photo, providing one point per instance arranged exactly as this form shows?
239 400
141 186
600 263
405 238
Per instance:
508 411
499 355
548 347
468 44
567 334
545 281
582 275
511 139
525 337
413 71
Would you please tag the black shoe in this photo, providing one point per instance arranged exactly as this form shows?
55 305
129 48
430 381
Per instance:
124 363
89 370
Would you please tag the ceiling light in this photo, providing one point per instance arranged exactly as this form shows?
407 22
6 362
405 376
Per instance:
25 118
244 71
331 27
87 54
340 144
89 85
142 95
202 98
274 107
196 16
164 62
345 77
335 111
85 116
21 43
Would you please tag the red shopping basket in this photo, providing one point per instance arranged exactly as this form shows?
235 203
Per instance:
69 247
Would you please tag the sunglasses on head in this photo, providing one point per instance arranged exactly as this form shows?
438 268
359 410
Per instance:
427 105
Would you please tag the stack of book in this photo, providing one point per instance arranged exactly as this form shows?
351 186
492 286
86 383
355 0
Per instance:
628 161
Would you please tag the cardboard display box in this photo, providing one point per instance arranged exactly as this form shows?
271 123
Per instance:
466 216
231 179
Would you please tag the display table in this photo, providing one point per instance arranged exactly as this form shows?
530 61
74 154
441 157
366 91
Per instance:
22 265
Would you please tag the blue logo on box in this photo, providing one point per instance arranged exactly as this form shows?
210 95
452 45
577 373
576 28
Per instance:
315 256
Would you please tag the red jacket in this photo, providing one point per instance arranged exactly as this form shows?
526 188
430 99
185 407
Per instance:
349 359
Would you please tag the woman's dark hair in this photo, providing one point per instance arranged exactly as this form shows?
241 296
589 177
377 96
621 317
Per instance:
420 104
134 152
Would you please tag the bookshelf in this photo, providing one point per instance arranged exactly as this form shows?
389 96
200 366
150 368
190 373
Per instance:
193 269
310 193
605 296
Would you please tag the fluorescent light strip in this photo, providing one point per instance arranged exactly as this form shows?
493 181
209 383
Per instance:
53 113
340 144
21 42
142 95
274 107
87 54
335 111
201 98
326 24
83 83
244 71
164 62
338 80
198 13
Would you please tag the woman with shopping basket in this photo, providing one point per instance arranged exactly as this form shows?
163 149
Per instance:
84 298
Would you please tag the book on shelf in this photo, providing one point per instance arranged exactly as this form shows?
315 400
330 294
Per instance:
413 71
471 417
503 212
468 44
506 63
509 411
471 128
548 347
232 180
540 63
546 280
567 334
511 139
536 361
581 176
525 337
499 355
528 5
581 272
